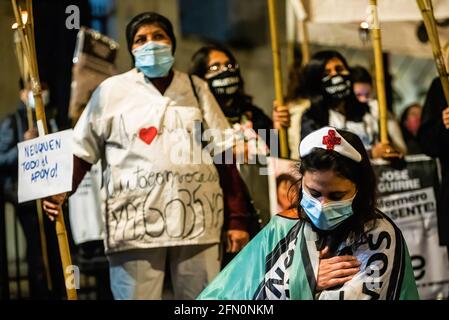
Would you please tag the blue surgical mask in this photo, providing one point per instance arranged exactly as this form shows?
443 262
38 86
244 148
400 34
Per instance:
154 59
329 215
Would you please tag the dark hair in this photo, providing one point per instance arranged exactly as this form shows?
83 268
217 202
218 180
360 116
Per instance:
200 58
200 62
405 133
309 86
148 18
285 177
292 191
361 75
360 173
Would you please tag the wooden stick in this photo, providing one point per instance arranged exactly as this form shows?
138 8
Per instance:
429 22
18 51
66 259
61 231
389 152
305 45
40 217
26 32
292 31
380 81
23 69
277 73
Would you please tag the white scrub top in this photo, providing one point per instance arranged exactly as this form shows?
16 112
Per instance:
157 191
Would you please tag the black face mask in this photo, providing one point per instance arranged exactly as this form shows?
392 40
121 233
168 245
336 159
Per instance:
337 87
225 84
224 87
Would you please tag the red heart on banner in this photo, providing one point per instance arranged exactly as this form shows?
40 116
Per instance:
148 134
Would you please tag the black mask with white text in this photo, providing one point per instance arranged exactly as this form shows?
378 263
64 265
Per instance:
225 87
225 84
337 87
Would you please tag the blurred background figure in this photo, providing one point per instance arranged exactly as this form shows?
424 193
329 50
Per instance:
410 123
433 135
365 93
14 129
363 84
218 66
326 82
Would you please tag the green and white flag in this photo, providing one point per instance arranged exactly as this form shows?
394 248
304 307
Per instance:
281 262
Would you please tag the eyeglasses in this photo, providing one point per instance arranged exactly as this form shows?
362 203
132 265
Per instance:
219 67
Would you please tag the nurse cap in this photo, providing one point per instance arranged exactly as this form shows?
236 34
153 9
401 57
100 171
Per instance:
328 138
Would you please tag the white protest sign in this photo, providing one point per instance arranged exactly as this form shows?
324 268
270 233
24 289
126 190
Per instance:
408 196
45 166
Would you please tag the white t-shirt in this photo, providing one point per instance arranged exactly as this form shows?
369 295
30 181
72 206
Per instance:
151 198
394 130
367 129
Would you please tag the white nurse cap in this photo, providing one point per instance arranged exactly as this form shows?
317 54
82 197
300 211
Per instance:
328 138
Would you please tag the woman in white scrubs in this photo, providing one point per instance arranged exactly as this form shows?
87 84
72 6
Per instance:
163 202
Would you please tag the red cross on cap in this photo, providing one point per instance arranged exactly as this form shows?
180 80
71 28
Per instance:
331 140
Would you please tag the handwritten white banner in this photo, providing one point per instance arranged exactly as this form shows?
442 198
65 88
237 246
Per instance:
45 166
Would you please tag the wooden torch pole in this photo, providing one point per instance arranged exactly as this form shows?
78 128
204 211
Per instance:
379 67
26 33
380 82
25 74
277 73
429 22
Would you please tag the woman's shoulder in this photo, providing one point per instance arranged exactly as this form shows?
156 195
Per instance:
113 87
281 223
289 214
197 81
120 79
382 223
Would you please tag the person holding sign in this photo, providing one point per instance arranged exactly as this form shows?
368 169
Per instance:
13 130
335 245
163 201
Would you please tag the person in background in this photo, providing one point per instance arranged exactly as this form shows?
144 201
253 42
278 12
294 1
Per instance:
363 84
326 82
363 90
217 65
433 135
410 123
14 129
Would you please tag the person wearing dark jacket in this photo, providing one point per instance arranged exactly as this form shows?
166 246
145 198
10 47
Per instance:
14 129
327 83
410 122
218 66
433 135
